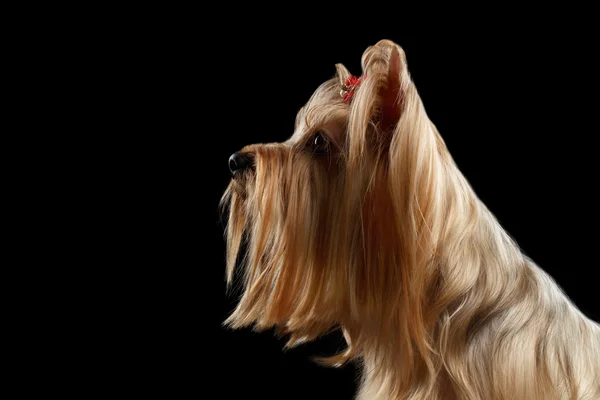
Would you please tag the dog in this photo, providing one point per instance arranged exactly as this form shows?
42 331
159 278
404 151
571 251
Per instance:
361 221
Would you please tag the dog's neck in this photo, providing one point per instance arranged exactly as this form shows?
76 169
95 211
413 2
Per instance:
475 265
481 290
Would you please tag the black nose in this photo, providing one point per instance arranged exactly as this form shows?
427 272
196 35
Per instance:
240 161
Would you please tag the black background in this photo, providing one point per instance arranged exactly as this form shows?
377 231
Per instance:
515 107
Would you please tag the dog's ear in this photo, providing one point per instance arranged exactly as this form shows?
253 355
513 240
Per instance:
342 73
386 63
391 99
380 100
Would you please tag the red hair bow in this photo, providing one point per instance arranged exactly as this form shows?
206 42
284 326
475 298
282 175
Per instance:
348 89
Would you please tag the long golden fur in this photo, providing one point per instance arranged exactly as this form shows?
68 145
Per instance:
383 237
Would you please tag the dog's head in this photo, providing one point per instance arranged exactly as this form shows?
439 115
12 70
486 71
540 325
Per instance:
334 219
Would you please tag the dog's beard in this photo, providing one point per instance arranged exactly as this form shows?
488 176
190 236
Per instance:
282 229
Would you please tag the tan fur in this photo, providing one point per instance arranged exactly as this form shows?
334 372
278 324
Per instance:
384 238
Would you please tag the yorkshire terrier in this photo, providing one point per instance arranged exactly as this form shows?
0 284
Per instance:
362 221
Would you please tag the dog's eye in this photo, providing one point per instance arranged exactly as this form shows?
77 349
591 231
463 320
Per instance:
320 143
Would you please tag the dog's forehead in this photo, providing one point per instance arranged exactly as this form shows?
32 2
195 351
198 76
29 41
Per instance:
325 110
334 128
331 120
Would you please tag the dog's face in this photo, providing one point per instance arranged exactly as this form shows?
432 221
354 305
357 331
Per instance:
287 201
319 213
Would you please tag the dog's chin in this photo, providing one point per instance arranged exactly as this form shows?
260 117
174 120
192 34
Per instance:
240 181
